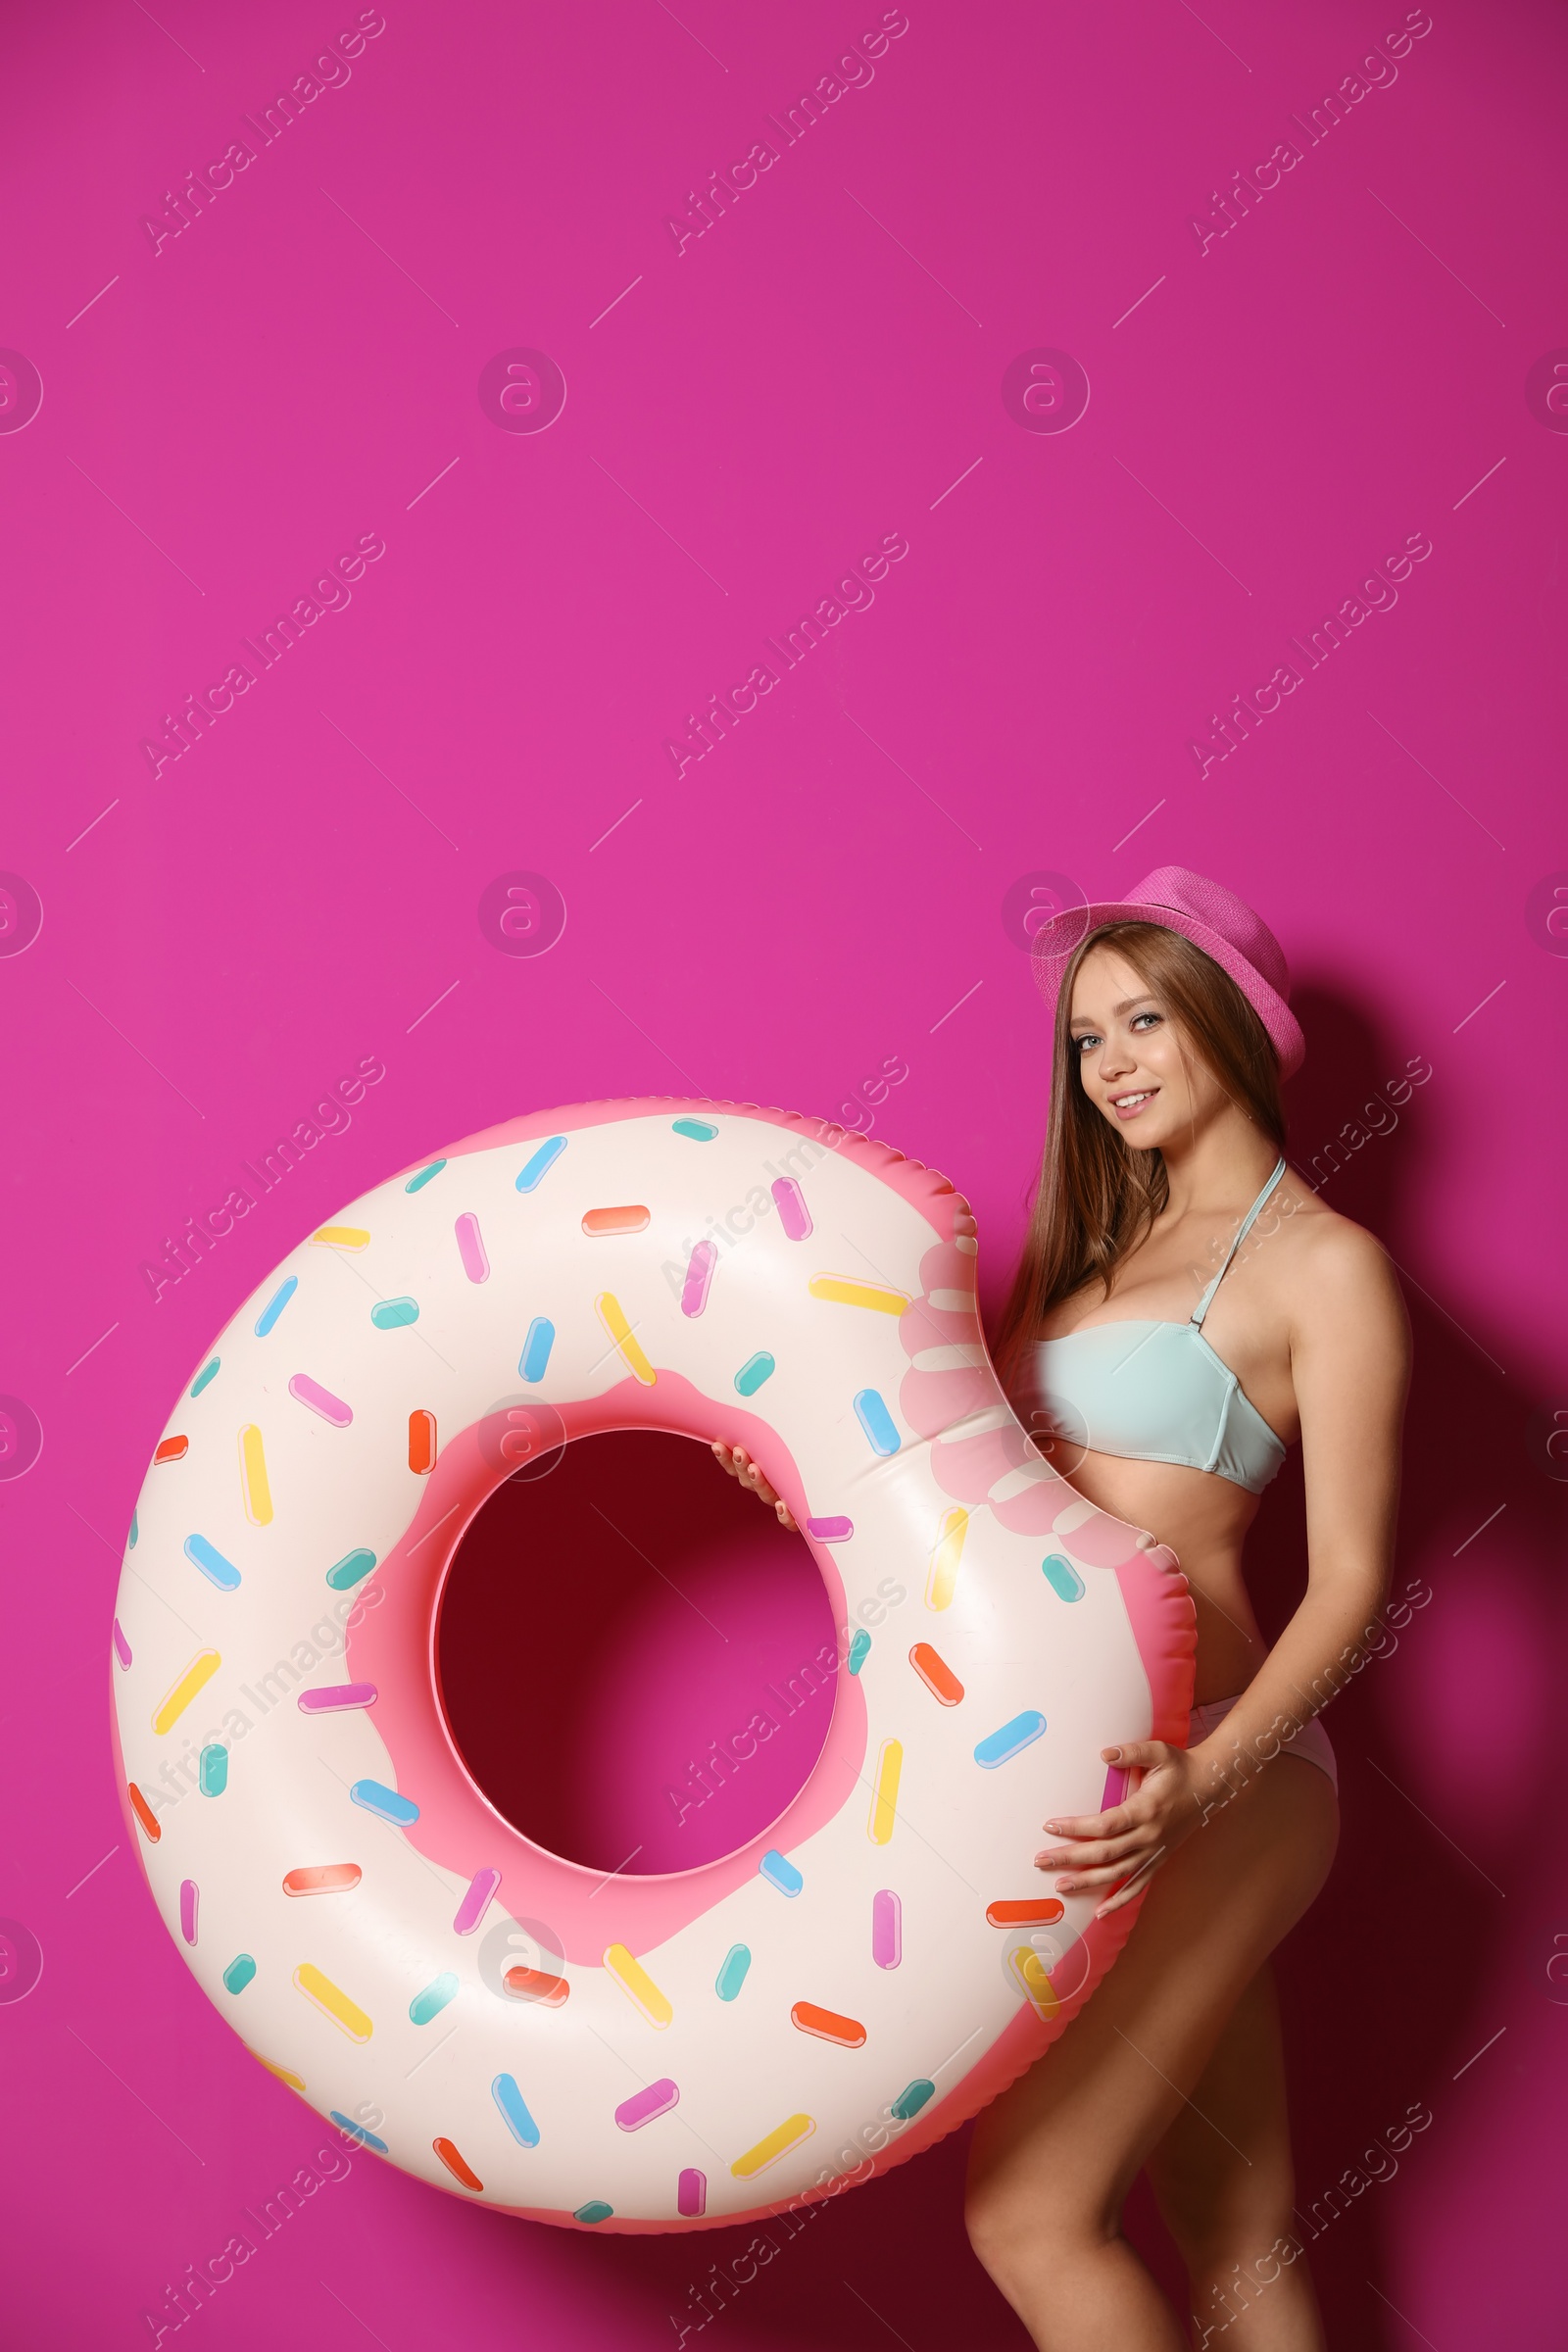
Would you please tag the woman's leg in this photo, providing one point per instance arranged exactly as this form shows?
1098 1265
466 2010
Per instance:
1055 2156
1225 2185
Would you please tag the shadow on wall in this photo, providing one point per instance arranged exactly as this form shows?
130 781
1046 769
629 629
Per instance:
1388 1984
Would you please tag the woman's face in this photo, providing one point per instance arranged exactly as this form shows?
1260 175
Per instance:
1130 1059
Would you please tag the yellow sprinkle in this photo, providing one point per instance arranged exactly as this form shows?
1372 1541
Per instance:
634 1979
200 1672
1030 1971
755 2160
253 1477
342 1237
885 1799
614 1319
944 1559
842 1293
282 2072
332 2001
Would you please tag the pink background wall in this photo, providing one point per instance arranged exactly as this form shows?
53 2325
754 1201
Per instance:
1365 356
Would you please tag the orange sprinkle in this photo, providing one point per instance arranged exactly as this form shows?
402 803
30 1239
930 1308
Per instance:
173 1450
143 1812
632 1219
455 2163
828 2026
421 1441
282 2072
1039 1911
936 1674
322 1878
536 1985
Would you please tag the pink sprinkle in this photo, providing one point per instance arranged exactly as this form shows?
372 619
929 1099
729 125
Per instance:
121 1645
1115 1788
333 1695
699 1274
643 2105
320 1400
471 1247
887 1927
691 2192
830 1531
187 1909
793 1215
477 1902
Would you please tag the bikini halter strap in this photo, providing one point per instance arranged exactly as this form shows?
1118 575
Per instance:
1242 1231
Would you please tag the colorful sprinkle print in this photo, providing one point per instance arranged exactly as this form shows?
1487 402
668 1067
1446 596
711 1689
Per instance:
384 1803
756 1369
513 2110
395 1314
781 1873
792 1213
433 1999
275 1304
859 1650
347 1572
1022 1732
196 1676
206 1376
699 1274
887 1927
365 2137
691 2193
698 1130
477 1902
644 2105
322 1878
239 1973
471 1247
212 1769
536 1346
871 1413
417 1184
212 1563
172 1450
543 1160
830 1531
732 1975
319 1400
1062 1577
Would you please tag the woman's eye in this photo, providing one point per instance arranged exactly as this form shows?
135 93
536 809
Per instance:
1084 1043
1140 1018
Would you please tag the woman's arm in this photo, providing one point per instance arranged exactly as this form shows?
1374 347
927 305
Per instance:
1350 1365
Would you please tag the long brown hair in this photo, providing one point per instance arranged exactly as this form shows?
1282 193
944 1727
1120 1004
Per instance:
1096 1197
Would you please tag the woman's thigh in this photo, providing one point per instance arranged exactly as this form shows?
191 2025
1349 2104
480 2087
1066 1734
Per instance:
1060 2150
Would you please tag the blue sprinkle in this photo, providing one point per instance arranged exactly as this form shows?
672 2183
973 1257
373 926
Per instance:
136 1533
596 2210
1062 1577
275 1304
542 1162
756 1369
732 1976
212 1563
541 1338
391 1314
239 1972
366 2139
433 1999
779 1873
385 1803
417 1184
213 1769
911 2101
350 1569
698 1129
876 1421
515 2111
1020 1733
208 1372
859 1651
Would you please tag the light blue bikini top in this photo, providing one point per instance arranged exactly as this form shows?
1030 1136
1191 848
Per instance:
1158 1392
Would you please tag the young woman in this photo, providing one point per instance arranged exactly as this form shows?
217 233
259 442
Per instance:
1184 1309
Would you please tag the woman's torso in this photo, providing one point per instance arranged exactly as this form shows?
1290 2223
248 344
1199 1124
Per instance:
1202 1515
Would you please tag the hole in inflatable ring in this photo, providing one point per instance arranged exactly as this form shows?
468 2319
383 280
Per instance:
635 1659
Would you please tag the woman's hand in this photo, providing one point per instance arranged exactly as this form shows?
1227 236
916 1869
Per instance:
1123 1846
738 1462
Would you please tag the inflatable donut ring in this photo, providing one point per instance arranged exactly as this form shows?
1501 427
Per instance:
649 2053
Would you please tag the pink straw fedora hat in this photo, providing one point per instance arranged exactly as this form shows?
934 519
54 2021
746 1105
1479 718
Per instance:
1214 920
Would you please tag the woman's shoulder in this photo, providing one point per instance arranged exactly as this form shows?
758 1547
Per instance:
1328 1260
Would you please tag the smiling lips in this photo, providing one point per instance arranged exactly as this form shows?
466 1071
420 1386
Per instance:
1128 1107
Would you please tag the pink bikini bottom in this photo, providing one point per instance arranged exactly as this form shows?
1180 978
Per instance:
1311 1743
